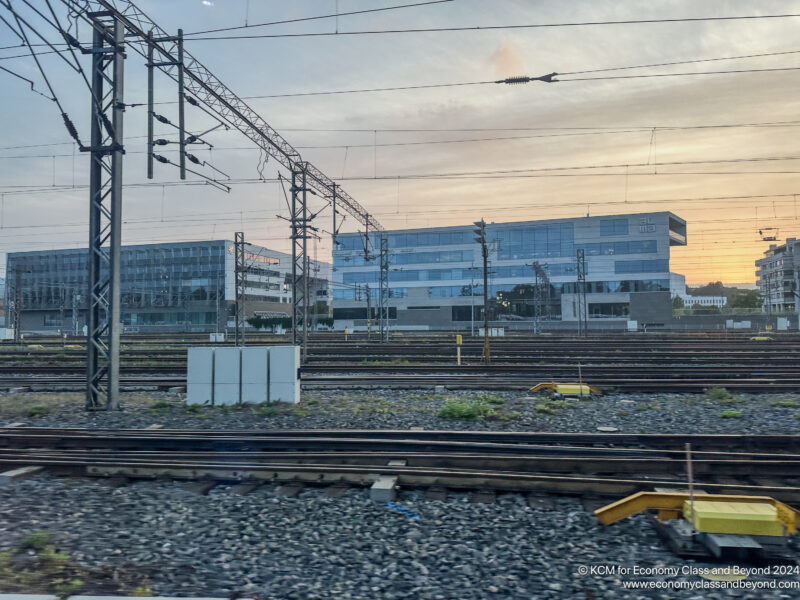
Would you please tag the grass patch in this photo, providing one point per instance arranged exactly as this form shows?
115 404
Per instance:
384 363
720 394
299 411
470 409
194 408
731 414
38 411
787 403
37 566
37 541
551 407
160 405
264 409
490 399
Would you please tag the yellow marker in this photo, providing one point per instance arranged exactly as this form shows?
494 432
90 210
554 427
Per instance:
345 334
458 349
459 339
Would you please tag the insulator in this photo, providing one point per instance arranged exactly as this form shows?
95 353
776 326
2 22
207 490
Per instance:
162 119
191 139
160 158
71 40
192 101
71 128
516 80
160 142
193 158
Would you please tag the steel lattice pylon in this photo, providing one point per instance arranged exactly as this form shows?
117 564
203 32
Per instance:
220 99
384 288
541 294
240 272
105 212
300 270
581 292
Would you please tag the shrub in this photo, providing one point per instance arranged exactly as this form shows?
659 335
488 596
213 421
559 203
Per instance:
38 541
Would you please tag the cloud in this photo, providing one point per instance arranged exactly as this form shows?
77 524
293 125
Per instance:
507 60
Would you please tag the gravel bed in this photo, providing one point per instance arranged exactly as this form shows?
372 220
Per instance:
174 542
393 409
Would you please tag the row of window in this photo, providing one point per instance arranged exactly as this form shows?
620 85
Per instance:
407 240
611 248
408 258
660 265
613 226
506 271
507 252
394 292
556 289
359 312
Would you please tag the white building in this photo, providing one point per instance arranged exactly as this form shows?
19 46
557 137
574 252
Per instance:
677 288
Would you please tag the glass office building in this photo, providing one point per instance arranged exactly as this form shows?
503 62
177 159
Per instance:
436 275
187 286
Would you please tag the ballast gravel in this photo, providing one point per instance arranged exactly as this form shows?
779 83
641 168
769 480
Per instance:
312 546
396 409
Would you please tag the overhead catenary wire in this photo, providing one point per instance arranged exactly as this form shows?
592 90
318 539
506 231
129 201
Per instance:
317 17
501 27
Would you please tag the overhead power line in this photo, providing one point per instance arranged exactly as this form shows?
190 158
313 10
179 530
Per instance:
497 27
580 131
327 16
550 78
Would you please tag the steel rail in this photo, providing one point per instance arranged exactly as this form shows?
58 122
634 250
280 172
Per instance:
40 437
407 477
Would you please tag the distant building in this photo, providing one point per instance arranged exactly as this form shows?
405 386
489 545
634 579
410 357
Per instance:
186 286
436 275
677 288
777 276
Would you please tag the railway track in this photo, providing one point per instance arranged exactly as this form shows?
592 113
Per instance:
460 381
589 464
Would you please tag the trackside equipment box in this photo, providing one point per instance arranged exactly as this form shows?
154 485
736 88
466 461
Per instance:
230 375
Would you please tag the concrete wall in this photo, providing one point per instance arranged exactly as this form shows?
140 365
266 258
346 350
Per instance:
651 307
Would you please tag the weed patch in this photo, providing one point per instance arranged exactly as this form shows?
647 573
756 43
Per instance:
787 403
38 411
723 396
731 414
466 410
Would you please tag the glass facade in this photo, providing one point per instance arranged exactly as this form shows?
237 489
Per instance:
158 275
624 254
642 266
613 227
611 248
161 284
535 241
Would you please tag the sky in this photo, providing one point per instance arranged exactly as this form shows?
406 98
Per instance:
599 147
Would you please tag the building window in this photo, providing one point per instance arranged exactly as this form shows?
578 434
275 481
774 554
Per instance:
641 266
607 310
614 227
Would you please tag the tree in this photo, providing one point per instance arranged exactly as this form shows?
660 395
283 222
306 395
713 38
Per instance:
710 289
677 302
746 299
